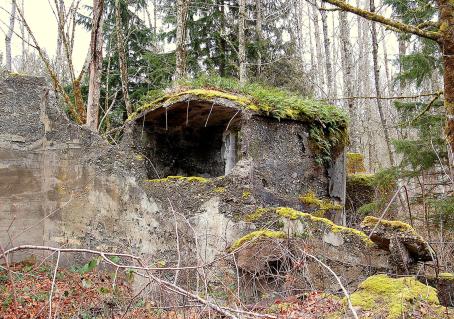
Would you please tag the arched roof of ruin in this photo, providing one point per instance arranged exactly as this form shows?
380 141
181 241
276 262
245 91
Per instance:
327 124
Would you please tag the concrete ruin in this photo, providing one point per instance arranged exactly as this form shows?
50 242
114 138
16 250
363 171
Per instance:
196 163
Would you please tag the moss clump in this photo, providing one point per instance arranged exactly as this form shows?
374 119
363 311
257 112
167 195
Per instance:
266 233
246 195
139 157
446 276
358 180
189 179
327 123
322 224
355 163
289 213
219 190
371 221
323 205
383 293
256 215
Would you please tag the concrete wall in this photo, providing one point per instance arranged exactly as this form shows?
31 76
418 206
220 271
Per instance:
61 184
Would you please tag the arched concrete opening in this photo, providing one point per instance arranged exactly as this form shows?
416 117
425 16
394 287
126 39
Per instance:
190 138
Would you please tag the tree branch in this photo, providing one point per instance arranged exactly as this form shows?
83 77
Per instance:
386 21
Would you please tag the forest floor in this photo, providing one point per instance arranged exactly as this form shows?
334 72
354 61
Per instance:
88 293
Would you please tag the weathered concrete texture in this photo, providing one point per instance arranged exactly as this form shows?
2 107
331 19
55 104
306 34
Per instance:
349 253
63 185
57 185
275 157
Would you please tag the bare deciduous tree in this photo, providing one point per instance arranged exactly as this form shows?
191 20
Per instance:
95 67
9 35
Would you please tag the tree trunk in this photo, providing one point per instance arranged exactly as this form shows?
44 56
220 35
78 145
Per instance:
242 42
9 35
258 28
59 52
95 68
22 32
377 86
222 42
180 52
122 59
447 47
318 49
327 44
347 73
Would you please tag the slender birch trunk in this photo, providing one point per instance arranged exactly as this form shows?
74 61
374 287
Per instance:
9 35
318 49
327 45
377 87
347 77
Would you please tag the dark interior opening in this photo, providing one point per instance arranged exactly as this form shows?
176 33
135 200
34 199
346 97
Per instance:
191 139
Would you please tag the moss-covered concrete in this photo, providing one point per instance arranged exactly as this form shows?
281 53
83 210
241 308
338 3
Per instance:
355 163
396 225
322 205
312 223
327 124
391 298
266 233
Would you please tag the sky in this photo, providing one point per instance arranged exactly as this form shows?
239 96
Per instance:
41 20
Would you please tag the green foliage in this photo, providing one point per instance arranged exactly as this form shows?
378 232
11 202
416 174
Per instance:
369 208
148 68
442 211
92 264
212 41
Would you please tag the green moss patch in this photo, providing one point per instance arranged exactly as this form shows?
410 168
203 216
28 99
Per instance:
323 205
327 123
446 276
189 179
355 163
359 179
396 225
312 222
392 296
264 233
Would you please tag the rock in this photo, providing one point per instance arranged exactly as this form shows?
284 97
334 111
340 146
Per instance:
400 239
278 253
445 287
381 296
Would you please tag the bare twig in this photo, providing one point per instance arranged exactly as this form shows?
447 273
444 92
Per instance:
54 278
